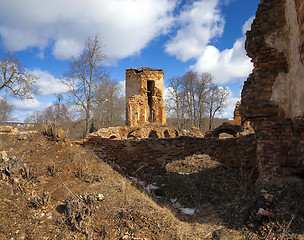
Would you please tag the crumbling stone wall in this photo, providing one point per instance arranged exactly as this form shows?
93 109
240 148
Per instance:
150 156
272 96
140 109
300 12
237 118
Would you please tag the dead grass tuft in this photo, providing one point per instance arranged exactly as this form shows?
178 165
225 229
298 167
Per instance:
54 133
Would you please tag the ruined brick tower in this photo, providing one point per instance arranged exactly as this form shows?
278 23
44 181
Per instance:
144 94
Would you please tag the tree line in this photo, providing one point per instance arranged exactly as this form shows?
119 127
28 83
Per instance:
94 100
193 98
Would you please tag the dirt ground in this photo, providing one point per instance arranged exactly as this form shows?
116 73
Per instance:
51 189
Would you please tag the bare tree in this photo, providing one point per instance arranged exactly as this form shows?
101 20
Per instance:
15 80
195 88
83 76
109 107
6 110
217 99
202 89
36 117
175 101
57 113
193 97
189 84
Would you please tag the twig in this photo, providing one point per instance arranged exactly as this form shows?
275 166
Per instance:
68 188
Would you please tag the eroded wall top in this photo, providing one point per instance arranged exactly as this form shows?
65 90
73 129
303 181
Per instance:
136 79
144 94
276 46
273 95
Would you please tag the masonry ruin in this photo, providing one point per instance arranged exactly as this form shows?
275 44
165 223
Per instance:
144 94
272 96
272 103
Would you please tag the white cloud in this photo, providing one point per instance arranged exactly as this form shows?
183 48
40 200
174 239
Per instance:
122 88
65 48
225 66
48 84
29 104
247 25
125 27
199 23
25 108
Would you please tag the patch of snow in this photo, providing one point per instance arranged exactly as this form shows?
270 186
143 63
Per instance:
188 211
181 173
151 187
137 181
133 179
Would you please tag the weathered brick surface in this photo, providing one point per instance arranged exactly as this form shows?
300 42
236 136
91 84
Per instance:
267 61
277 118
150 156
138 108
300 12
237 118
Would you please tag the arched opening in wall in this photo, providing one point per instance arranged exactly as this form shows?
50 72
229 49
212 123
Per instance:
176 133
131 134
150 88
153 134
166 133
225 135
113 137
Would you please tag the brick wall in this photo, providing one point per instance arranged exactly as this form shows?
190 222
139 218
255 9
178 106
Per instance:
272 96
138 109
150 156
300 12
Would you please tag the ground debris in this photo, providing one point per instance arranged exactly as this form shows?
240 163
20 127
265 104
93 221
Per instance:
80 208
41 200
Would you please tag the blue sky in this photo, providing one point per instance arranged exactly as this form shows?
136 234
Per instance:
174 35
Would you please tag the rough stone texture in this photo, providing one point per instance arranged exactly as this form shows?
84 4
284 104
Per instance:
150 156
272 96
300 13
135 133
229 128
193 132
145 104
237 118
8 129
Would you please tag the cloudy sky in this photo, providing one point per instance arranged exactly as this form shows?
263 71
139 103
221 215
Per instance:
174 35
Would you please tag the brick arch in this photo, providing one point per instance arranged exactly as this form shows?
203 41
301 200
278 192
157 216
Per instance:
231 129
153 134
166 134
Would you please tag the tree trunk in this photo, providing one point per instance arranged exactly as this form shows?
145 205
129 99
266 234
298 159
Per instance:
87 123
210 120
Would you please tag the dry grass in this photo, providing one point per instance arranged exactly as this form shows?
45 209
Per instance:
66 172
57 177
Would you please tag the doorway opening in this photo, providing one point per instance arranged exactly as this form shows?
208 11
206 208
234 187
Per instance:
150 89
